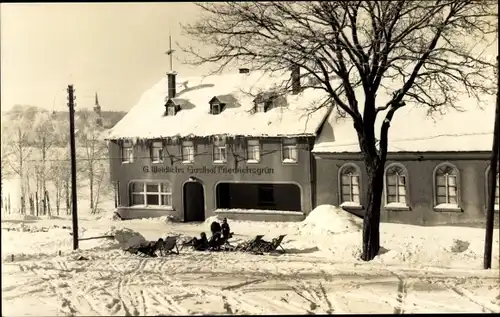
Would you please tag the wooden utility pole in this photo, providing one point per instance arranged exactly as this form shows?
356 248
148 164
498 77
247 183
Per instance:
71 105
492 181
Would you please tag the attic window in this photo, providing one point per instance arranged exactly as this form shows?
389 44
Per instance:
171 108
264 102
170 111
216 108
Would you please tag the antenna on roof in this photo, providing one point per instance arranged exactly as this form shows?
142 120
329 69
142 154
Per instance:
170 52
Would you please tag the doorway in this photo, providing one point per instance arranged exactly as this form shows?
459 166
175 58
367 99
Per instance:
194 201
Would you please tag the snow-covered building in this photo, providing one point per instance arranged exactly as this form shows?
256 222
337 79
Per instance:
437 169
233 144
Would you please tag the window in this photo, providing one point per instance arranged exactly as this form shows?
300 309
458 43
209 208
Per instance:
187 152
446 186
157 152
127 152
216 108
253 151
289 150
266 195
497 203
395 185
261 107
349 187
151 194
219 151
170 111
268 104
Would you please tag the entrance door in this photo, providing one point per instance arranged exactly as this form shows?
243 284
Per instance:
194 202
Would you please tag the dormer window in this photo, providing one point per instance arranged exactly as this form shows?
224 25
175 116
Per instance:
170 111
216 106
264 102
216 109
171 107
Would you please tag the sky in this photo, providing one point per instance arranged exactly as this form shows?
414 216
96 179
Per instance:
114 49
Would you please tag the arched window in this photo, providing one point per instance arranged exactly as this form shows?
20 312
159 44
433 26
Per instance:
350 184
151 193
446 185
488 172
395 185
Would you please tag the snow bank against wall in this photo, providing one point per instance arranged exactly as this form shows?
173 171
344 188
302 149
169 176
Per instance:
331 219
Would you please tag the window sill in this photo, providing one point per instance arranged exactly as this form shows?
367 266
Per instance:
289 162
447 208
149 207
156 162
188 162
257 211
397 207
219 162
253 162
351 205
127 162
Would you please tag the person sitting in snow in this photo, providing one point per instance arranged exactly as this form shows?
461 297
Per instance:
202 243
215 228
226 231
198 244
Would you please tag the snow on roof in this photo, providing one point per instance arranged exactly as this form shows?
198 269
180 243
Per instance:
146 119
412 130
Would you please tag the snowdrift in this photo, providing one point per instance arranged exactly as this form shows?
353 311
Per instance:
331 219
125 237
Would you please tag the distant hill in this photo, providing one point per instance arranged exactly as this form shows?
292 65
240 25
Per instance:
110 118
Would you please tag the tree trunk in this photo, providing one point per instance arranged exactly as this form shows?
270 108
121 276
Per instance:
21 171
58 195
47 202
43 176
91 187
66 191
37 204
371 221
32 204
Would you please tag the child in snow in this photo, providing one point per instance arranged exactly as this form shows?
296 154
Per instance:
226 231
198 244
215 228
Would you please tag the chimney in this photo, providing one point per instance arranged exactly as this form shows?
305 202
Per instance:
295 80
244 70
171 84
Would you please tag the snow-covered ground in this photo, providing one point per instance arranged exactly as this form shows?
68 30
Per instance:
419 270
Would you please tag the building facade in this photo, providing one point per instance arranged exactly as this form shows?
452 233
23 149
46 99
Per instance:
421 189
199 148
156 177
436 172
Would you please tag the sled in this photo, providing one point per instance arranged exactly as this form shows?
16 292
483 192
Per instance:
169 245
272 246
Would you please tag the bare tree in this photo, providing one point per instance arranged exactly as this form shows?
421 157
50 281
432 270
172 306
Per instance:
17 136
417 47
94 150
43 141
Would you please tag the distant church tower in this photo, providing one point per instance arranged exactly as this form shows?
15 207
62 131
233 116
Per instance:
97 110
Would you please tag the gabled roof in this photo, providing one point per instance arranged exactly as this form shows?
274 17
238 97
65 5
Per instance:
146 120
413 130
